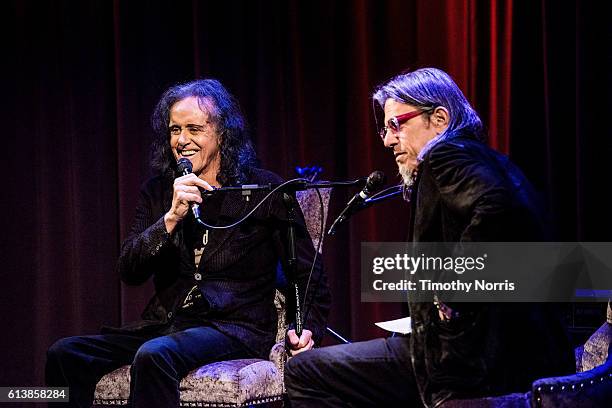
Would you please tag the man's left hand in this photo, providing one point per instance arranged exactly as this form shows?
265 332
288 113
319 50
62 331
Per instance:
298 345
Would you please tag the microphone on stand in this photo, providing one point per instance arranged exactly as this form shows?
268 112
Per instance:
185 167
375 180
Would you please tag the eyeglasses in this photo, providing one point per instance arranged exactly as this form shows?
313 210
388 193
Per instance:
395 122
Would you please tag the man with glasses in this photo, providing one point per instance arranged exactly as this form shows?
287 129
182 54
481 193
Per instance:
459 190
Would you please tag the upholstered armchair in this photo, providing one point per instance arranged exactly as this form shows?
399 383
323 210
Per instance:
233 383
590 387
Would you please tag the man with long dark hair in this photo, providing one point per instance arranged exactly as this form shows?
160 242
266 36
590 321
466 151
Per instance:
214 289
459 190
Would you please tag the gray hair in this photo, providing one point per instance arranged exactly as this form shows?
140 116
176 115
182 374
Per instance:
428 88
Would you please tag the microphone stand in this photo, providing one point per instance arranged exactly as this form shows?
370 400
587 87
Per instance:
290 186
292 259
387 193
295 185
384 195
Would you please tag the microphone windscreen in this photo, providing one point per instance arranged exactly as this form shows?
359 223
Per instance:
184 166
374 182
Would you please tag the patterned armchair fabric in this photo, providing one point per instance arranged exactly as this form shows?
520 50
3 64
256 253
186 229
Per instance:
233 383
590 387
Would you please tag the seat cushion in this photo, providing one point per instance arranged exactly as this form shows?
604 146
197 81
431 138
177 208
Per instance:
233 382
225 383
114 387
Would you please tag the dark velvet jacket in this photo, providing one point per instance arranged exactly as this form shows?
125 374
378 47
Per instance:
466 191
238 266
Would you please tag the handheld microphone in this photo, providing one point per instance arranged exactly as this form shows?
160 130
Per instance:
375 180
185 167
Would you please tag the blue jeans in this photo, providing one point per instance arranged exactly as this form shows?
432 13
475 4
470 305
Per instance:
158 364
373 373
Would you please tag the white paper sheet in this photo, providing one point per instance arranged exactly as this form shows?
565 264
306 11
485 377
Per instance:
401 326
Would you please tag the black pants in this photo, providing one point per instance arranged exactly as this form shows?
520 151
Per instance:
158 364
370 373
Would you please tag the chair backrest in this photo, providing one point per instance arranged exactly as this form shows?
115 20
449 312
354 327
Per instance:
591 386
311 207
595 350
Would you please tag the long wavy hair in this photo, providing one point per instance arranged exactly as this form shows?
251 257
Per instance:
429 88
236 148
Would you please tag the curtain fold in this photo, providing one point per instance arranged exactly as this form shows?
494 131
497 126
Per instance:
83 78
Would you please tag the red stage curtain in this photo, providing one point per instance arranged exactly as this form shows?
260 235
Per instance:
82 78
